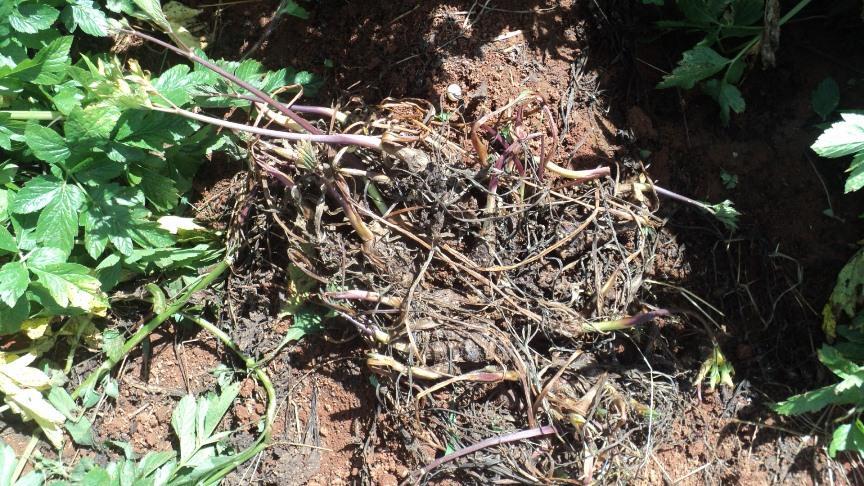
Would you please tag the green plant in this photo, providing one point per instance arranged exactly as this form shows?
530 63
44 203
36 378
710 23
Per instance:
843 314
732 30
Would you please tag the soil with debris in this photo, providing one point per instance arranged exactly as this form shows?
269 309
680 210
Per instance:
337 423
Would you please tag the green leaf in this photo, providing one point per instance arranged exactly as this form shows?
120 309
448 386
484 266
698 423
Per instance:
48 66
64 403
36 194
46 144
81 431
290 7
219 405
702 11
855 181
57 226
45 255
153 461
847 437
696 64
727 96
154 12
835 362
183 422
71 285
14 281
67 99
161 191
12 317
7 241
817 399
89 19
847 296
845 137
112 344
175 85
825 97
747 12
31 17
93 122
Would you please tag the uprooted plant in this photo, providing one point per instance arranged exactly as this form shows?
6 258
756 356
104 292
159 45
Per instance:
449 263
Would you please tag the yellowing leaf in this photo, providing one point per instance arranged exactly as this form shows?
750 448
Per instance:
183 25
36 328
20 385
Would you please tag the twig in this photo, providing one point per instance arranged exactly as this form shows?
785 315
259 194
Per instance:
542 431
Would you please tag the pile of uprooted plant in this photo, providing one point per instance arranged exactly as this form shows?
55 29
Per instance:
482 275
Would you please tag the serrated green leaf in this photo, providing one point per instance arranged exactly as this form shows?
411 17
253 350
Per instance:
112 344
695 65
46 144
817 399
47 67
89 19
67 99
154 13
847 437
845 137
825 97
183 422
12 317
45 255
855 181
14 281
71 285
175 84
57 226
727 96
290 7
31 17
160 190
93 122
7 241
36 194
847 296
747 12
219 405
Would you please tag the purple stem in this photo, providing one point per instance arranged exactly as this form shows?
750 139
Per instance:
676 196
335 139
542 431
225 74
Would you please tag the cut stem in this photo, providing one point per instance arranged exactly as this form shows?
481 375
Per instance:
36 115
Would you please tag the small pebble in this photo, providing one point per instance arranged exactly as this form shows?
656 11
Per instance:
454 92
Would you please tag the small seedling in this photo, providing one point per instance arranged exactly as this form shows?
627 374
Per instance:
717 369
730 181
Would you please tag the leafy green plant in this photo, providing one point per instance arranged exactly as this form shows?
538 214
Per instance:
731 31
843 138
843 314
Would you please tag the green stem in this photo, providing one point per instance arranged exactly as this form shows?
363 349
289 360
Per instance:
794 11
90 382
264 439
32 115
